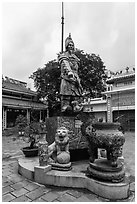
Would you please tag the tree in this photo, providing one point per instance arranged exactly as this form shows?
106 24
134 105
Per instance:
47 83
47 80
92 73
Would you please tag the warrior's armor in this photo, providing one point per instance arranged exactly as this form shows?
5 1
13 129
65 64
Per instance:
70 88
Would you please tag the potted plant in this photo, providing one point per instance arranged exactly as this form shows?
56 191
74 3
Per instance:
21 123
32 132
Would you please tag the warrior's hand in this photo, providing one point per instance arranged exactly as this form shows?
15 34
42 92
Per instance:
59 152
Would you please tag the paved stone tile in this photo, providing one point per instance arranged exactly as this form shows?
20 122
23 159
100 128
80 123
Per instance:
22 198
4 178
31 186
39 200
19 192
33 195
6 167
7 189
50 196
7 162
56 201
15 163
101 199
20 184
6 172
16 178
15 175
84 199
6 183
7 197
59 190
75 193
92 197
14 167
46 189
66 198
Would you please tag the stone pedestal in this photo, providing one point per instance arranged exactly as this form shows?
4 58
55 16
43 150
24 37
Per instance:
102 170
75 178
76 140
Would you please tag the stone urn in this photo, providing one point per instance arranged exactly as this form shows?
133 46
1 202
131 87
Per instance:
108 136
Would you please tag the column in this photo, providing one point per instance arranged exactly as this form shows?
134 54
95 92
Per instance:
109 111
4 120
40 116
47 112
28 115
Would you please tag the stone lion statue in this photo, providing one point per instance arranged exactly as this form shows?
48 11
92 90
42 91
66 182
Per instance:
60 146
62 140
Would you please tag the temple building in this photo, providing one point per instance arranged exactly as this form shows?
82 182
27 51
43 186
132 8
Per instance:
98 106
121 98
18 99
119 101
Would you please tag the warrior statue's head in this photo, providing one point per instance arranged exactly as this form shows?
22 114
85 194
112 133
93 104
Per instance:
69 44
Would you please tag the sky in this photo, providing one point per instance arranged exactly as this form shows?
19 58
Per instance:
31 34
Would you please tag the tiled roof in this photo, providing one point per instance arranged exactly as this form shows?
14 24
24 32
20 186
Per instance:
22 103
10 86
120 76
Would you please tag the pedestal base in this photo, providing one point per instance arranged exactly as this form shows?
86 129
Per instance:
61 167
75 178
101 170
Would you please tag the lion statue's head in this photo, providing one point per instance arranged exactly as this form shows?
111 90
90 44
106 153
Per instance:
62 133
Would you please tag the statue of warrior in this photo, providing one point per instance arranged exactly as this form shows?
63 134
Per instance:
70 89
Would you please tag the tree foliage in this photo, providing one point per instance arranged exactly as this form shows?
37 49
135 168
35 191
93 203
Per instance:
91 72
47 83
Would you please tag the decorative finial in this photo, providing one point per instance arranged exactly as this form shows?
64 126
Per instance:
127 68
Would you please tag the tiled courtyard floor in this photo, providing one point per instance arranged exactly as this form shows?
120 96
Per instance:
16 188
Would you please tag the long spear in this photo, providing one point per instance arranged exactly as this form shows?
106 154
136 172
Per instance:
62 22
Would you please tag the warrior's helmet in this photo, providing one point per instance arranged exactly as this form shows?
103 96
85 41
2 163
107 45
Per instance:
68 40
